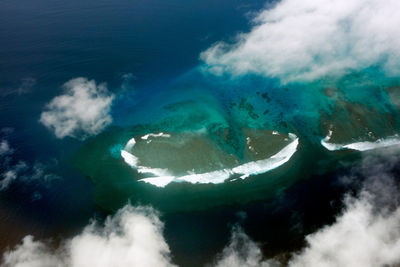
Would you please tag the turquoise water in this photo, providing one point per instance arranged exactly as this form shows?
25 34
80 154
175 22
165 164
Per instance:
132 46
200 102
148 54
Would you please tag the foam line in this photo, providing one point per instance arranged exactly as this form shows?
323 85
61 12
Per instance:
361 146
162 177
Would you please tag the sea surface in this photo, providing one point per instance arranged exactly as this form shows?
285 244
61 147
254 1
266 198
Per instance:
212 148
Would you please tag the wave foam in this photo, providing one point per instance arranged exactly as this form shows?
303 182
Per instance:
145 137
265 165
162 177
360 146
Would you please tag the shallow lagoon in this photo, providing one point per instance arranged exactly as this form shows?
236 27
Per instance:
229 120
152 66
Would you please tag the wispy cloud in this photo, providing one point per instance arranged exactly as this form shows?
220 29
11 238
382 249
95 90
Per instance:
82 111
300 40
13 169
11 174
26 86
5 148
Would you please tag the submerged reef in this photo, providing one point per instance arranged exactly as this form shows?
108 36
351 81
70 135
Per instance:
245 137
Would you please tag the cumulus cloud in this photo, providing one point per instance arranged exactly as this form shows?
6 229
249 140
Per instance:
367 233
299 40
358 238
82 111
242 252
132 237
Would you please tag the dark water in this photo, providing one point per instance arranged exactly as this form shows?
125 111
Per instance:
46 43
148 54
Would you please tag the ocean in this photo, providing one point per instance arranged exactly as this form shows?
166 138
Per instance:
209 150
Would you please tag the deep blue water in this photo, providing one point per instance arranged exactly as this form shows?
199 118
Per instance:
148 54
46 43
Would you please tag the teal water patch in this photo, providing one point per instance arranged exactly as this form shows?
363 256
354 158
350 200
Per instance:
115 150
115 182
356 108
195 158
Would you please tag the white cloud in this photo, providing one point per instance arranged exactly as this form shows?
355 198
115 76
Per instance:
363 235
242 252
367 233
360 237
303 40
132 237
31 254
81 112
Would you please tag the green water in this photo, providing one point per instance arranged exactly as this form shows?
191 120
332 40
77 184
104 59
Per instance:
358 107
